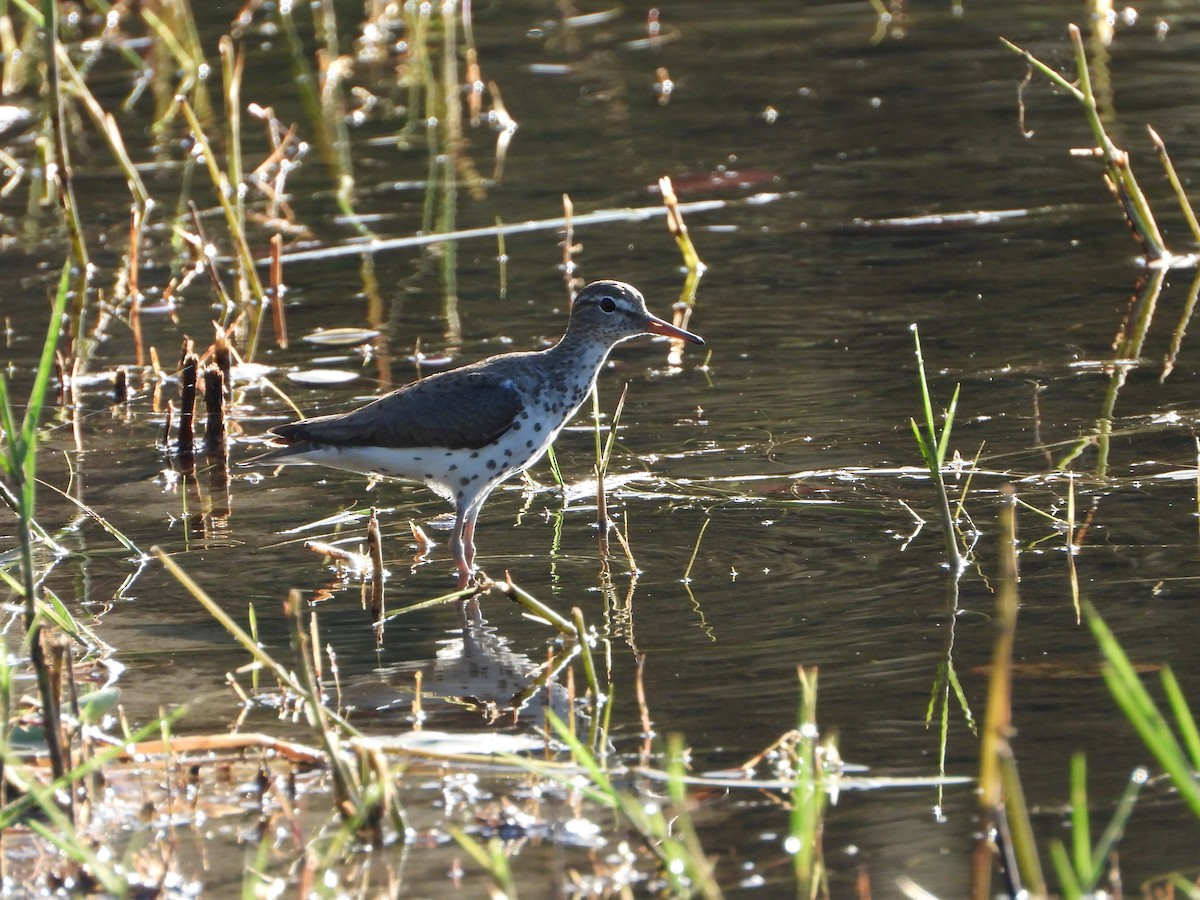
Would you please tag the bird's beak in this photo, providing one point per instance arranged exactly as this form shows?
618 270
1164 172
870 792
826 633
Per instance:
655 325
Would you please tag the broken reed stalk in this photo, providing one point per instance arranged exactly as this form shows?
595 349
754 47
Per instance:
120 388
1000 796
568 247
62 156
1176 185
589 665
222 357
426 237
679 231
247 273
18 462
375 546
214 402
278 290
691 259
524 598
106 124
603 457
188 372
1116 161
284 675
233 64
453 596
136 222
206 260
349 797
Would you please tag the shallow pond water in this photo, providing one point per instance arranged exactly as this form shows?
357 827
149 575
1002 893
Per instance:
783 448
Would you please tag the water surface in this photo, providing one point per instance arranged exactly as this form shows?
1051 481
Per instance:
788 440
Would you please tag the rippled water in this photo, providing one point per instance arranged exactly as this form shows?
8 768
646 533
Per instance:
785 448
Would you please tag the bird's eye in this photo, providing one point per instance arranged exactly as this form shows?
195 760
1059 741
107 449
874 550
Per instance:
608 304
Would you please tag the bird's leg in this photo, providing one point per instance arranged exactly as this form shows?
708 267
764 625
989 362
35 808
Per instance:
459 551
468 538
462 544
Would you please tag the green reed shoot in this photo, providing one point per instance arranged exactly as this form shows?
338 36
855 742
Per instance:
809 796
225 188
107 125
491 858
18 462
39 796
1116 161
1001 796
364 796
1080 870
934 442
1178 754
58 122
1181 198
666 832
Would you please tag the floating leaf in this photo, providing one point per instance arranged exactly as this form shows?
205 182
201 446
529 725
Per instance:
322 376
340 337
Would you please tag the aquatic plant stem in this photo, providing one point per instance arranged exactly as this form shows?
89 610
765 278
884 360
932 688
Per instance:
19 463
237 232
1144 715
1176 185
1116 160
62 156
933 446
1001 797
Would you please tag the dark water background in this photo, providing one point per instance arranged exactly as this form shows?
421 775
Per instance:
789 442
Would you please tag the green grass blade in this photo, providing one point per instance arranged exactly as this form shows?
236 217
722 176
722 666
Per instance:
1184 719
943 443
1068 884
961 696
8 423
63 836
604 793
921 373
1081 829
1116 825
40 796
926 454
95 516
37 393
1139 708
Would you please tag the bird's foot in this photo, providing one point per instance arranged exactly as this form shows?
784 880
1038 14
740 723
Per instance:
476 579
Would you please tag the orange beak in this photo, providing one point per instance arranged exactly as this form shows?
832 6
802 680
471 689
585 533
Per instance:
655 325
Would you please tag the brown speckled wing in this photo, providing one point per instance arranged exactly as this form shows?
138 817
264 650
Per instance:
455 410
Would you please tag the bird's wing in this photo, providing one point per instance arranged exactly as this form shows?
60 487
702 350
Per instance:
468 410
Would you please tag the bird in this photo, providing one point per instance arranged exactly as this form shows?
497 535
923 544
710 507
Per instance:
464 431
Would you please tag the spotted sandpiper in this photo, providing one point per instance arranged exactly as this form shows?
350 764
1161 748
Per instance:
464 431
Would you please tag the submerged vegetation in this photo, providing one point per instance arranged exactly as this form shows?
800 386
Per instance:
328 798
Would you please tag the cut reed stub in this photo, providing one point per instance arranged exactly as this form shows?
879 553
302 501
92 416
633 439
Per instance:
187 403
276 293
214 402
375 545
223 357
120 390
